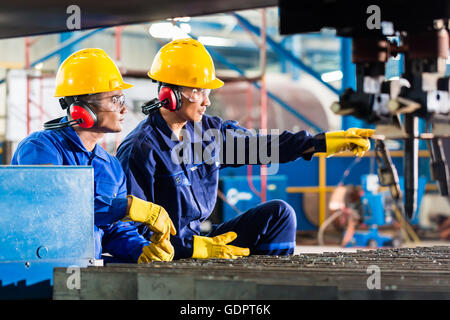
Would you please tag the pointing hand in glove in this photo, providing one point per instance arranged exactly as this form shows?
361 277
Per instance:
353 139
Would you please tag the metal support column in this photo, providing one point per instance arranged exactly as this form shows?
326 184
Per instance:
411 164
349 81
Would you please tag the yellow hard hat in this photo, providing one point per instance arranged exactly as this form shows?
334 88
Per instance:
185 62
88 71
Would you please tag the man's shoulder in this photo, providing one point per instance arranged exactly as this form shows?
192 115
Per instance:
114 162
141 133
39 147
209 121
106 155
139 139
41 138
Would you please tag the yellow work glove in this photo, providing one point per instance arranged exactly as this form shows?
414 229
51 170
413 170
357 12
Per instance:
162 251
353 139
154 216
217 248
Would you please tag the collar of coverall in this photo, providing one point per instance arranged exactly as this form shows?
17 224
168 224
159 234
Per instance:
72 135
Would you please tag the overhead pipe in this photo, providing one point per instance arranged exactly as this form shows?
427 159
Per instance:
261 44
61 47
271 95
285 53
65 44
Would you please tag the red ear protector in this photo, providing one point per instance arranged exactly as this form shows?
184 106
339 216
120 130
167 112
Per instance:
169 97
79 111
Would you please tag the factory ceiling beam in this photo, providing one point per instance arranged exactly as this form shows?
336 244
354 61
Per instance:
26 18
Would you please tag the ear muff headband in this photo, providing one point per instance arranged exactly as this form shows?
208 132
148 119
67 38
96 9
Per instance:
173 96
169 97
79 111
57 124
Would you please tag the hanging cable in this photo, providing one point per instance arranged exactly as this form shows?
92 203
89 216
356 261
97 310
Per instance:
388 176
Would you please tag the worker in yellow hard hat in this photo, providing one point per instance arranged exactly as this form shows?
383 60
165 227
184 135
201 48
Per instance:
150 156
90 86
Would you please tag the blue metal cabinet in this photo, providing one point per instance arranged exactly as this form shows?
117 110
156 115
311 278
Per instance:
46 221
238 193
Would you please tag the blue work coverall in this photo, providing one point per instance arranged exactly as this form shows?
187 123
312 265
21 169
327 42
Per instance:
64 147
188 191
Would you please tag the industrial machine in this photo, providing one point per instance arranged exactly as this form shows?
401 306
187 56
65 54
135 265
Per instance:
378 210
382 208
417 32
46 221
359 212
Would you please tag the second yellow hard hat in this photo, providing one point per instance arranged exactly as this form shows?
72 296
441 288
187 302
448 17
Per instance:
185 62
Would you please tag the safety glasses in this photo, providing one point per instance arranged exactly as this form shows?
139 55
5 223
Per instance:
195 94
115 103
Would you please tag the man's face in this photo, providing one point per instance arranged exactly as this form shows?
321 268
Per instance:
110 109
193 103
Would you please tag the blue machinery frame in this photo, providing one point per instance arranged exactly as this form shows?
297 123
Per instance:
46 221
